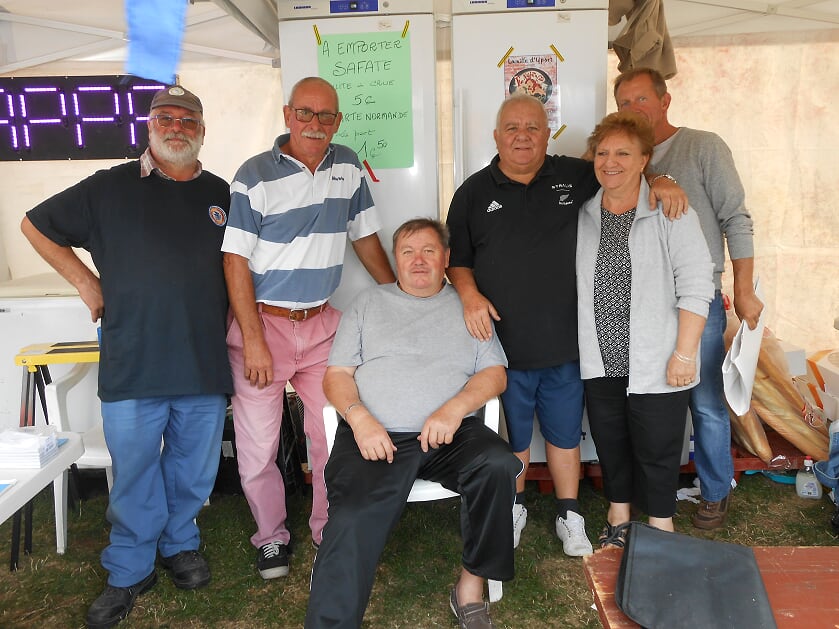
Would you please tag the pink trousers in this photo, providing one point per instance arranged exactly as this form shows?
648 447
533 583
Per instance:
299 350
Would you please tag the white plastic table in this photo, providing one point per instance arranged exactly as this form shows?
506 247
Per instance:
29 482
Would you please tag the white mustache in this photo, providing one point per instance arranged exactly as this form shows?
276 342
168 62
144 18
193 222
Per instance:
314 135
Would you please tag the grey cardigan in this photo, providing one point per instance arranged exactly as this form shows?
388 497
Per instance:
671 269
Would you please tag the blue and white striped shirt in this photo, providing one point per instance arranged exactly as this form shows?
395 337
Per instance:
291 224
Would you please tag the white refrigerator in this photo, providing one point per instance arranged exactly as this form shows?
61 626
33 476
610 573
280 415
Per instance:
555 50
380 56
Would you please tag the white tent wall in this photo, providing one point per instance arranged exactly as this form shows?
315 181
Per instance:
771 97
767 95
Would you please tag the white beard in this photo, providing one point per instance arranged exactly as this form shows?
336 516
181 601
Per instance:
178 155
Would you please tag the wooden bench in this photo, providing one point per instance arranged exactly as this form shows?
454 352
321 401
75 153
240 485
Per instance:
802 583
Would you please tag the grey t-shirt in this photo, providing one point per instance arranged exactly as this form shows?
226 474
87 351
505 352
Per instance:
411 354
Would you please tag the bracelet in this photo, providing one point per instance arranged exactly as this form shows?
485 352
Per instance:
683 358
350 407
665 176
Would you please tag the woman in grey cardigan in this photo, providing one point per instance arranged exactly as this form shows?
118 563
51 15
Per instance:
644 284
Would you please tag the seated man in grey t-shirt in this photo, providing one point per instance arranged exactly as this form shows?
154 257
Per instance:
407 377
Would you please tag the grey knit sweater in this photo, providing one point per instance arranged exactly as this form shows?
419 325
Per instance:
703 165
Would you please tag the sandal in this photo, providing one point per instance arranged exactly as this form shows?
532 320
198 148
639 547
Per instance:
614 535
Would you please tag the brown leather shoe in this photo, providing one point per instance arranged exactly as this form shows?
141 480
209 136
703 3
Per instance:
471 615
710 515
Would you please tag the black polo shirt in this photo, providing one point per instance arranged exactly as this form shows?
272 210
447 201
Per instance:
520 241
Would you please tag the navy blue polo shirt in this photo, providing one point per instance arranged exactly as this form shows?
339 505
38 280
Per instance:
157 246
520 241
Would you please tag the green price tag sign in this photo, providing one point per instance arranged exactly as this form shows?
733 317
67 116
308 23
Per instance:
372 74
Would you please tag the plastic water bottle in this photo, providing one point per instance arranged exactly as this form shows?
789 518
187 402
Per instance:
806 484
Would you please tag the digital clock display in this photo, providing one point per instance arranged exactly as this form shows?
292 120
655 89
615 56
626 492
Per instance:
74 117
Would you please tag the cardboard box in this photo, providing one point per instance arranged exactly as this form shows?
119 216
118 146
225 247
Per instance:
796 358
831 406
826 405
823 368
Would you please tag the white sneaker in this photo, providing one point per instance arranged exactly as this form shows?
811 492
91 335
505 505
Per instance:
572 532
519 520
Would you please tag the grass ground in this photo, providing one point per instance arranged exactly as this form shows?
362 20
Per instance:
419 564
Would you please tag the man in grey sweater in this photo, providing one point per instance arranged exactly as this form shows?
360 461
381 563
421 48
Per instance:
703 165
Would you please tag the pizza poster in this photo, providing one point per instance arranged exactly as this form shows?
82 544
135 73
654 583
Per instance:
536 76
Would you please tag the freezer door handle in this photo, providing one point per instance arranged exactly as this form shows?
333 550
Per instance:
459 139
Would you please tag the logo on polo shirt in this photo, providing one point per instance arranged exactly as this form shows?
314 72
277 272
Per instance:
217 215
495 205
564 190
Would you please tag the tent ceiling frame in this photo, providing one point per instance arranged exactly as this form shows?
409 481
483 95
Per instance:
112 39
744 11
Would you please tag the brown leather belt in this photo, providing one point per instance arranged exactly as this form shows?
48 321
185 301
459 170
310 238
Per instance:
293 315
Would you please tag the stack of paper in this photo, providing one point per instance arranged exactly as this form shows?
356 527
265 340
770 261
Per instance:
27 447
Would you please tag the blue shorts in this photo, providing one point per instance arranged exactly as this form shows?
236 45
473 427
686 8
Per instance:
555 395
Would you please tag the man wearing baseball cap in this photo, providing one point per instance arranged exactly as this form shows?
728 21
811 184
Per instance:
154 229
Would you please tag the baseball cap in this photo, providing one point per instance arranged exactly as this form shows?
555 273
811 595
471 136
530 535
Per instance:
177 96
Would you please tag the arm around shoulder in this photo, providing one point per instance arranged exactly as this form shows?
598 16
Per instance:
666 190
369 250
478 311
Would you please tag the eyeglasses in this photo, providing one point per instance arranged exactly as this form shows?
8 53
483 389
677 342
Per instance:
326 118
166 121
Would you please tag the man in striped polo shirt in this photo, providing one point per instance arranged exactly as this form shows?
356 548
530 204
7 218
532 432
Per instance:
291 209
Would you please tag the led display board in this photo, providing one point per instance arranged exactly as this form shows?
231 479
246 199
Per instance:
74 117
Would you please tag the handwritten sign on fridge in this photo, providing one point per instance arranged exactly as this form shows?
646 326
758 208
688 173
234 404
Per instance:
372 74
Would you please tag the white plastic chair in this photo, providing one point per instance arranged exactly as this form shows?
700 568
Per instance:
425 490
95 455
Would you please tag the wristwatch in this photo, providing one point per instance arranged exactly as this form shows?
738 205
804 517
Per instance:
666 176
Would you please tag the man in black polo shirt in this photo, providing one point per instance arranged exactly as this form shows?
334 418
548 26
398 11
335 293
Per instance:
154 229
513 242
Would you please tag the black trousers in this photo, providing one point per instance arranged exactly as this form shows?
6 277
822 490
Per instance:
639 443
366 500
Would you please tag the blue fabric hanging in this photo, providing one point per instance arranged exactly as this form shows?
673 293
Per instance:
155 31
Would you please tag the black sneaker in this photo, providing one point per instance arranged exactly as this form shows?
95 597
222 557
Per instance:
272 560
115 603
188 568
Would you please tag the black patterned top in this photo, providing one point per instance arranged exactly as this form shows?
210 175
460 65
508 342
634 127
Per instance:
612 291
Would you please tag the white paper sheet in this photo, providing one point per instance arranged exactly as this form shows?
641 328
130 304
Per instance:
740 363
